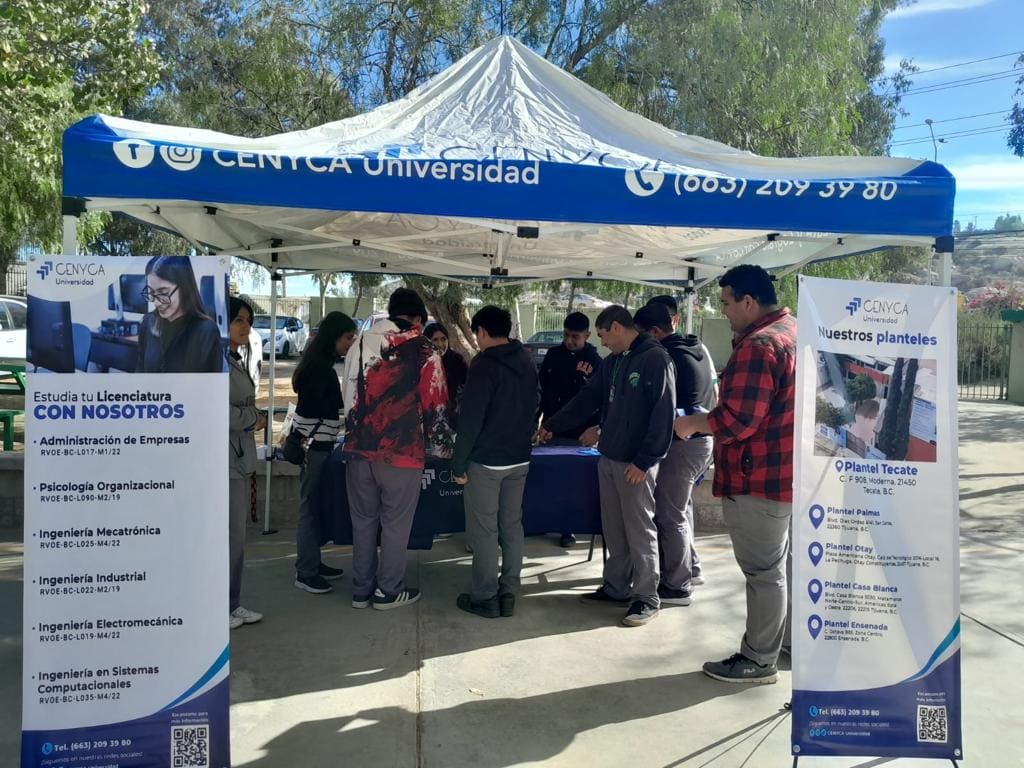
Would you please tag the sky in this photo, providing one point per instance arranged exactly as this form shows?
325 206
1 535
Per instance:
947 33
941 37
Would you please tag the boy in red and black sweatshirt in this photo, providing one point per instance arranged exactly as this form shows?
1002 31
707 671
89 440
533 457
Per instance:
395 382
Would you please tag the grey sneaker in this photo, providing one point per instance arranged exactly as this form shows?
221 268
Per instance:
739 669
639 613
696 580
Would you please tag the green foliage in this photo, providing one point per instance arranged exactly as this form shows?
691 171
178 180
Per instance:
829 415
58 62
893 265
1015 139
861 387
901 436
1008 223
887 433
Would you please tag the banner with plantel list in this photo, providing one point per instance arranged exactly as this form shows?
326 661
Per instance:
875 586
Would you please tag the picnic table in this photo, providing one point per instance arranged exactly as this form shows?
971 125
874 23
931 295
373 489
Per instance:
12 382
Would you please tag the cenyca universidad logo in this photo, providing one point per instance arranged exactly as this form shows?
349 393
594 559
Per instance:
181 158
44 270
853 306
135 153
644 183
427 479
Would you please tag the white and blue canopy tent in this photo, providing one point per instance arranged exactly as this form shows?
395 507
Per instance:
502 168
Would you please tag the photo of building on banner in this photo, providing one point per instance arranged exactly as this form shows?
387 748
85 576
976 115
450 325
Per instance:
126 513
875 539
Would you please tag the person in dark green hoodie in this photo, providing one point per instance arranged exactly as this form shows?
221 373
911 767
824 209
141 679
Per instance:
492 458
635 390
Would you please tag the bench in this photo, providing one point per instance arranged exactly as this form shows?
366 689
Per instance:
9 371
7 419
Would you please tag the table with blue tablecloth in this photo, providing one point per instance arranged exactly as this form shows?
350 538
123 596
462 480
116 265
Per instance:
561 497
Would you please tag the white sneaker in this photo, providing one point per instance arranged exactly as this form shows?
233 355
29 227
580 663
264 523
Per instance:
246 616
234 622
696 581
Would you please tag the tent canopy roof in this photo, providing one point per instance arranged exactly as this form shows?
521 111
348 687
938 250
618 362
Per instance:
502 167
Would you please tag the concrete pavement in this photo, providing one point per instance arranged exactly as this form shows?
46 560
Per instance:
561 684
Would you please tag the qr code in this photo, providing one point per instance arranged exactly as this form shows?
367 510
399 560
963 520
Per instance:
931 724
190 746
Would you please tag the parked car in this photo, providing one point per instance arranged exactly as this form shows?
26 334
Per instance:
290 336
13 322
540 342
369 320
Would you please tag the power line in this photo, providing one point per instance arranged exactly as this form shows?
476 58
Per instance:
958 135
965 63
951 134
966 81
951 119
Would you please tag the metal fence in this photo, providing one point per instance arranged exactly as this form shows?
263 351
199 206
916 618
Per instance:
983 359
17 278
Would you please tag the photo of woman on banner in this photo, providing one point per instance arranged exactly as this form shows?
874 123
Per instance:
178 335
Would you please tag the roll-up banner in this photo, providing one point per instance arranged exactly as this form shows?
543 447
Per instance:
126 528
876 598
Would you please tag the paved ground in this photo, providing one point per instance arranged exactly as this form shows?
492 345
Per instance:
560 684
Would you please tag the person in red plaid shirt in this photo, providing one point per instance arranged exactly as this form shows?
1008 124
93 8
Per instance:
753 430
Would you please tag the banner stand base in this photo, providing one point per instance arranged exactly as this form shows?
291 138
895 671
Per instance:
796 759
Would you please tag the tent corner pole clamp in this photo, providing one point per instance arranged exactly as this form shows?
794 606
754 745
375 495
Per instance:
528 233
211 210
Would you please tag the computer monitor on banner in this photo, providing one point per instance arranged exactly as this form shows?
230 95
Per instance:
50 342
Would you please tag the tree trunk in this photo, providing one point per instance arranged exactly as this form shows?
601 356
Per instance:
453 317
572 296
359 298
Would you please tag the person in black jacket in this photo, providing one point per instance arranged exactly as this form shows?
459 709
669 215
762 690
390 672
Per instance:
635 390
178 336
686 460
492 458
317 417
565 371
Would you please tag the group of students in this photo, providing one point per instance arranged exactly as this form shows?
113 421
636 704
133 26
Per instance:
650 407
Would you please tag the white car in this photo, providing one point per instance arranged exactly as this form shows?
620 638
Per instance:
290 336
13 322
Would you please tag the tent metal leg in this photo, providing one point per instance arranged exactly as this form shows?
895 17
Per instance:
69 241
946 268
269 432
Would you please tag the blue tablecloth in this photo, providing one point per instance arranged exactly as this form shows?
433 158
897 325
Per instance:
561 496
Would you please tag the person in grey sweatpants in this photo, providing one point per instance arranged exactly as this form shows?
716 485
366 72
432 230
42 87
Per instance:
759 529
686 459
380 497
635 391
492 459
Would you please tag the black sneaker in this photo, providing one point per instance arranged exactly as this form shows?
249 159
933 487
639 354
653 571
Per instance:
639 613
567 541
675 596
383 602
326 572
739 669
361 601
315 584
486 608
602 597
506 604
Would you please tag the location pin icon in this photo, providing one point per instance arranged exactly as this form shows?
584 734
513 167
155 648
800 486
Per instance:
815 552
814 625
814 589
817 514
